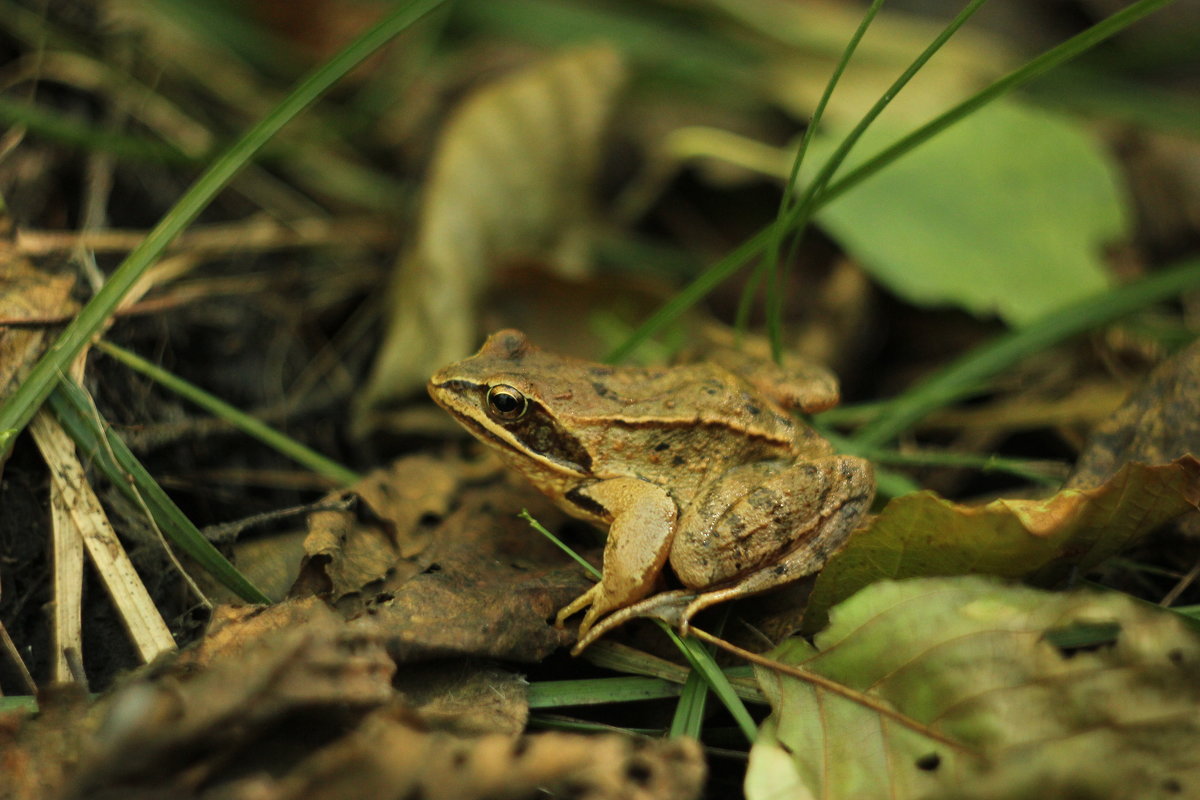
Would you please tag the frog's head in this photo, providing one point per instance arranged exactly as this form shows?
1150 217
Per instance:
514 396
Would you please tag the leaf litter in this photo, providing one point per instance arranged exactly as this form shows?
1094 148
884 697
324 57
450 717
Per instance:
292 701
437 556
430 576
975 660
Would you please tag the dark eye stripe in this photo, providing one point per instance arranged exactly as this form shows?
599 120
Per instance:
540 434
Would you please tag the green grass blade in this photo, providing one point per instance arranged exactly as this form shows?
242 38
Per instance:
969 372
814 195
26 704
703 663
1048 60
559 543
286 445
693 293
77 133
599 691
689 711
727 266
622 658
37 386
780 228
74 411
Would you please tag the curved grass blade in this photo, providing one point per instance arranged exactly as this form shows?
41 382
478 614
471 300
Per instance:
74 411
712 277
303 455
968 373
37 386
78 134
774 250
1043 63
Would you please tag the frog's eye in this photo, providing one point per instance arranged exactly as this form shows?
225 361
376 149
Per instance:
505 402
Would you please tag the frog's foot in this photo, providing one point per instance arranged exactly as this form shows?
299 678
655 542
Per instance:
667 606
598 602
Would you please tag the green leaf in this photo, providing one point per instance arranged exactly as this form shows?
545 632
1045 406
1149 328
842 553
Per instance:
1007 212
1006 712
923 534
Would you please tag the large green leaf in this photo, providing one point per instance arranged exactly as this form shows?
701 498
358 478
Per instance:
1007 212
989 690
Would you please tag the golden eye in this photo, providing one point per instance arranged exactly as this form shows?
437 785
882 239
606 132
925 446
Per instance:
505 402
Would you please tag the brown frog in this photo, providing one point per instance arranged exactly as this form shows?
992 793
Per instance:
692 465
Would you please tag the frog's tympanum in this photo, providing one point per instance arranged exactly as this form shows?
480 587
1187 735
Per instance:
692 466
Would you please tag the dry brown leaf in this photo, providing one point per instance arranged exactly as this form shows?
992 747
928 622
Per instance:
25 293
231 703
438 557
346 551
293 702
510 181
489 585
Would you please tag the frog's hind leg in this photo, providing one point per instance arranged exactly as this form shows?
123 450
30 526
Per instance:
830 507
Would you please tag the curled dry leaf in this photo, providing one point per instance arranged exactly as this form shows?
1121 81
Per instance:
1158 422
346 551
923 534
510 180
439 559
1024 692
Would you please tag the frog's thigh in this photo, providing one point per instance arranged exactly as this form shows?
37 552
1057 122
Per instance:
637 546
782 525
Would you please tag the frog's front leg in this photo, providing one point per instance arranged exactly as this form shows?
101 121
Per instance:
639 541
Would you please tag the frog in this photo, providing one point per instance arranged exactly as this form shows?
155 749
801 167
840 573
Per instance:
697 470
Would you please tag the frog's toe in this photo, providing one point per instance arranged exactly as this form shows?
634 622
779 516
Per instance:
666 607
693 608
584 600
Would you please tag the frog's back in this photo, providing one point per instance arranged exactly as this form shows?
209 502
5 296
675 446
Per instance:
684 425
703 395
